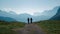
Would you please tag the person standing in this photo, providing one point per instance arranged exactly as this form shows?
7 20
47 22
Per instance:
28 20
31 20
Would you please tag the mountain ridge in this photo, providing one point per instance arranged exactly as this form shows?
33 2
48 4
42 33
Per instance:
56 16
23 17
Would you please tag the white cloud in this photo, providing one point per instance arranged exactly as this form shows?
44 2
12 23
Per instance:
23 10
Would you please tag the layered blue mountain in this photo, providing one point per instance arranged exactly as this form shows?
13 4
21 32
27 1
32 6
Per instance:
7 14
57 16
50 13
8 19
23 17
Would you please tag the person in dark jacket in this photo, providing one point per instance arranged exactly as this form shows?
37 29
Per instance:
28 20
31 20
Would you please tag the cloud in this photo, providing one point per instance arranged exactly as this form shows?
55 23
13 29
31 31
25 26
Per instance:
23 10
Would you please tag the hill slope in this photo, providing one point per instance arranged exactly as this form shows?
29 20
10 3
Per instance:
50 26
6 28
57 16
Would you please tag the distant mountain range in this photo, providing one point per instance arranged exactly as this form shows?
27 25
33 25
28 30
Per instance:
6 19
57 16
23 17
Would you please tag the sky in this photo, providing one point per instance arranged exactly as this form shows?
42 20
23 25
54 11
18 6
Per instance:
28 6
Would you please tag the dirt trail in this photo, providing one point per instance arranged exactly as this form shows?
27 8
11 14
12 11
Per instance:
30 29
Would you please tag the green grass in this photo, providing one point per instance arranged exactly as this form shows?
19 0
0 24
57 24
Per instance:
6 27
50 26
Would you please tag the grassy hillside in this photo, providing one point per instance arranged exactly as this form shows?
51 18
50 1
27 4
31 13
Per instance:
6 27
50 26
